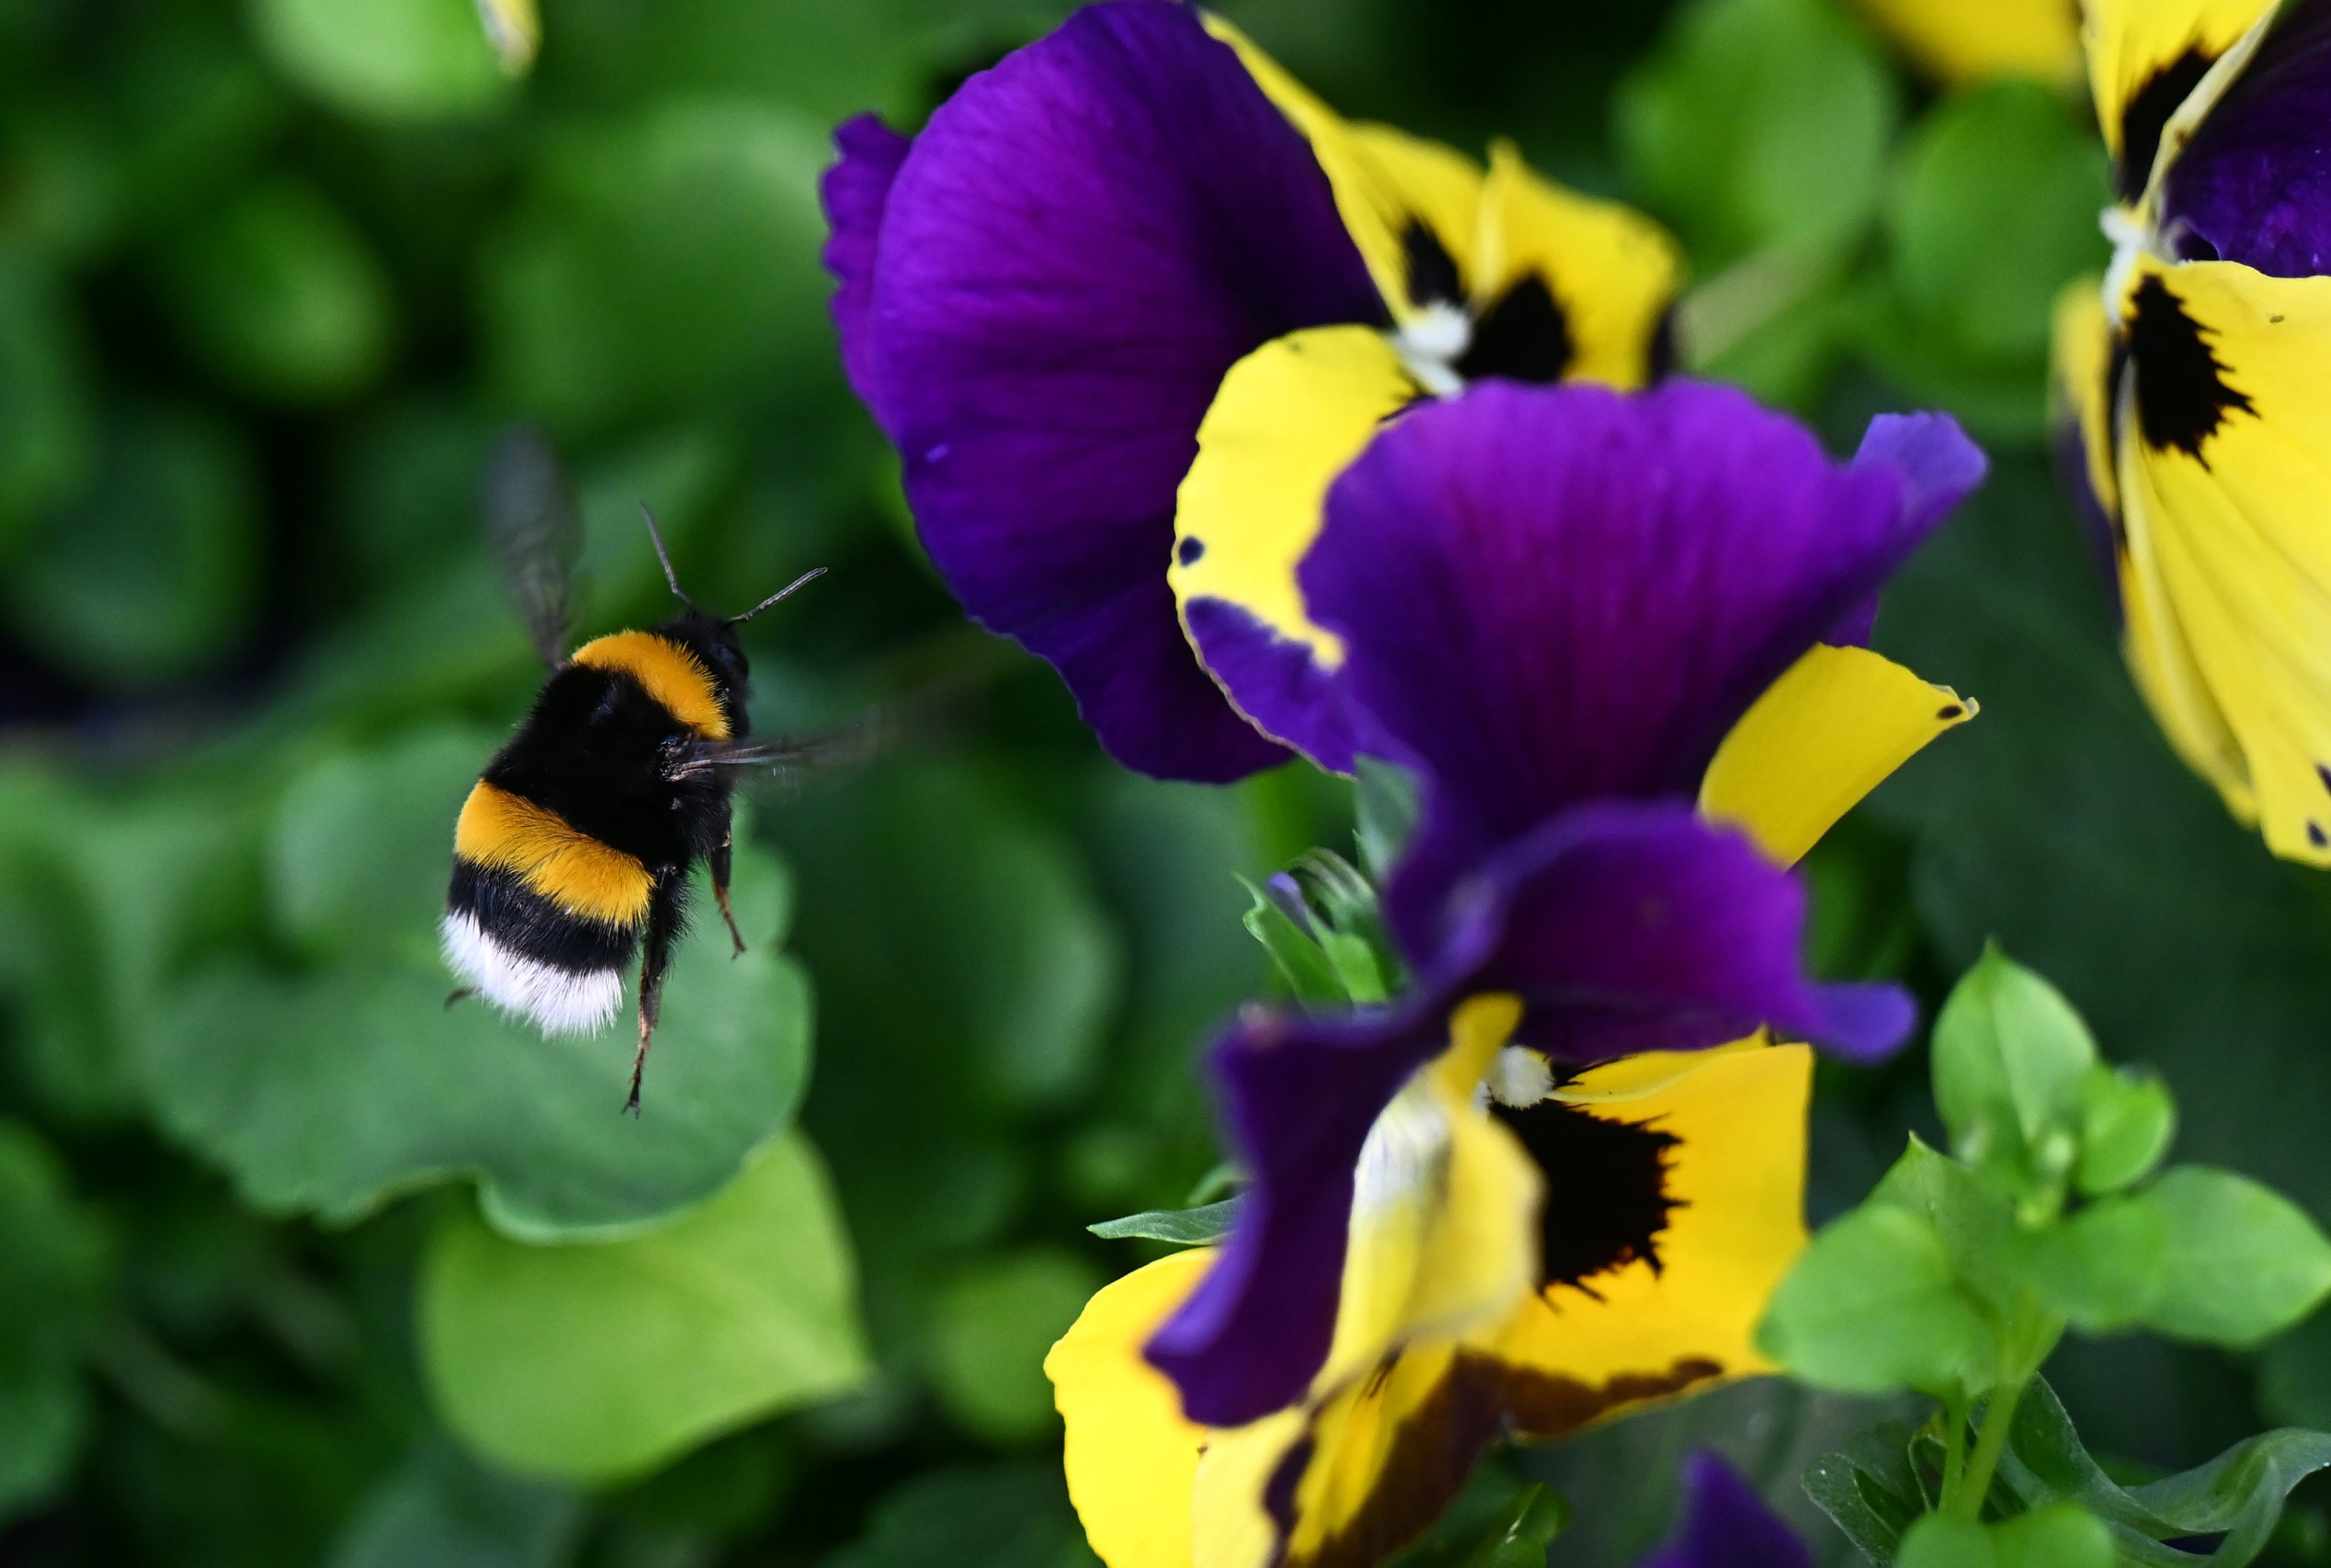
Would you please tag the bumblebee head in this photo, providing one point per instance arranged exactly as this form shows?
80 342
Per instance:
713 638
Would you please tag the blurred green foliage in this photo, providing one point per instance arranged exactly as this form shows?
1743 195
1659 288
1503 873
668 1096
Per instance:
302 1267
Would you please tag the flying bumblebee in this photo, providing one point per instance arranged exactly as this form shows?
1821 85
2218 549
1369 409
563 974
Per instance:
574 850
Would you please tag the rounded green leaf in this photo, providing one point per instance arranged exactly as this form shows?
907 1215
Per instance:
331 1094
2102 1267
2008 1054
594 1361
280 294
150 575
2244 1263
391 60
1946 1541
1872 1306
2063 1536
2127 1120
1760 121
989 1330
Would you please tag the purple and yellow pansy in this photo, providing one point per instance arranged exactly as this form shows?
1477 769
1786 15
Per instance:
1611 637
1131 300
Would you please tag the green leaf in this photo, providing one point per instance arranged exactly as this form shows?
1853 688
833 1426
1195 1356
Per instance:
1524 1535
1977 1226
1871 1490
442 1509
2062 1535
594 1360
334 1093
1948 1541
48 437
1760 121
2008 1054
1388 801
1873 1307
150 575
1301 962
2238 1495
2102 1269
388 59
2243 1263
50 1294
995 1516
279 294
357 855
2127 1120
1200 1227
988 1331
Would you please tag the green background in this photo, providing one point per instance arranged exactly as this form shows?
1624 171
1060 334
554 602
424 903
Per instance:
297 1267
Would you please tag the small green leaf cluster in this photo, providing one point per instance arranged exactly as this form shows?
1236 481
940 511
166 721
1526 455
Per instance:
1963 1270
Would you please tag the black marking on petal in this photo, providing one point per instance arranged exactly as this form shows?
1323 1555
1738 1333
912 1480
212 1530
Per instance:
1524 336
1189 550
2146 116
1607 1184
2182 396
1432 275
1954 711
2315 835
2323 772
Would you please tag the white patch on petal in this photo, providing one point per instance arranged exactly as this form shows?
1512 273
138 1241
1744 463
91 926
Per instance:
1520 1078
557 1001
1429 345
1406 1152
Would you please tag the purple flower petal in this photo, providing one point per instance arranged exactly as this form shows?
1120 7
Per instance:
1300 1095
1726 1525
2254 184
855 192
1631 926
1551 594
1075 253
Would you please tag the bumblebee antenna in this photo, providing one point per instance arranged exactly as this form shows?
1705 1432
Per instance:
655 538
811 576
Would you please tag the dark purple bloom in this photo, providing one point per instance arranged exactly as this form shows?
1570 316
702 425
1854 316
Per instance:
1038 301
2254 184
1726 1524
1555 605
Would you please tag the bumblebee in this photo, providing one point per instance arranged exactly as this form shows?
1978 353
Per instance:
574 850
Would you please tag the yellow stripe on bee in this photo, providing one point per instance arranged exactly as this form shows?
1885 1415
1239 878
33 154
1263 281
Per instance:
671 674
552 857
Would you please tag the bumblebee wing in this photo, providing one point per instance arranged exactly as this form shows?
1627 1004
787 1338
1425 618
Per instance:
789 757
2224 461
2145 60
537 534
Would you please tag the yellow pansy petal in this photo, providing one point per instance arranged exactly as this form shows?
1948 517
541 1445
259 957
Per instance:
1444 1220
515 29
1827 733
1612 272
2080 383
1385 181
2145 57
1290 417
2225 458
1132 1461
1734 1222
1964 40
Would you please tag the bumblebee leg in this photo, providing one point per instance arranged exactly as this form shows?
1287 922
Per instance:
464 995
720 861
664 925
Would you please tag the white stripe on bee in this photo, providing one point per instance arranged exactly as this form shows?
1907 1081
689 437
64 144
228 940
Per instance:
557 1001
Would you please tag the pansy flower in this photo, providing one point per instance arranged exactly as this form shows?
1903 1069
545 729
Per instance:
2200 415
1529 1193
1139 241
1962 41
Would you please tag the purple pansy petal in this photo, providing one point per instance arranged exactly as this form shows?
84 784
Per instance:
855 192
1940 468
1548 594
1300 1095
1077 249
2254 184
1277 679
1631 926
1726 1525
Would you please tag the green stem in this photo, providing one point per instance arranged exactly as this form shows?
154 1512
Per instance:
1954 1419
1997 1418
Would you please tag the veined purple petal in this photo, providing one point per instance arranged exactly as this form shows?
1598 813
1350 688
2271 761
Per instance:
1300 1095
1940 468
1076 251
2254 184
1630 926
1726 1524
855 192
1552 595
